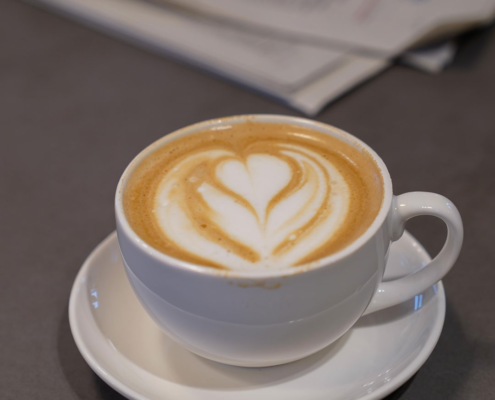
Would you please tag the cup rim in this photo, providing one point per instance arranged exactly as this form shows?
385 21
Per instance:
254 274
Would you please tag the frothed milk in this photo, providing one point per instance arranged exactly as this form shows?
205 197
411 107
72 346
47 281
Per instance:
253 196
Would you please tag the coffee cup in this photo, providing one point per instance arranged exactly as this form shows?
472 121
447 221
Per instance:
268 316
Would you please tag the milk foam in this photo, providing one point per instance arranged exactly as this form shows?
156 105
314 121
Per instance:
266 210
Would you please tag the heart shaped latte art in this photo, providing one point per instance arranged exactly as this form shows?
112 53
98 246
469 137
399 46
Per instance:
262 210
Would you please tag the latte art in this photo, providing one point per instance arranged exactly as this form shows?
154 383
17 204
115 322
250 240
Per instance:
267 210
250 201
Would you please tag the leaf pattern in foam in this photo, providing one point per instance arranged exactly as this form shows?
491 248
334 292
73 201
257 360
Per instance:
332 184
293 212
236 221
257 181
180 227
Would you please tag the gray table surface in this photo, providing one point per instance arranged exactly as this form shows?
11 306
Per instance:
76 106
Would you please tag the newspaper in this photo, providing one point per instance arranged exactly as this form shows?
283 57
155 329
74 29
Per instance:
305 53
432 59
303 76
385 27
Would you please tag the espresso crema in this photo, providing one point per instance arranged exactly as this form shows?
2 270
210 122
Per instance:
253 196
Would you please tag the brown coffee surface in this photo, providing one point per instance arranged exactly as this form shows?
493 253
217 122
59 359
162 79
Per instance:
192 187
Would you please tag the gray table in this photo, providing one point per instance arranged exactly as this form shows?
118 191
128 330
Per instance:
76 106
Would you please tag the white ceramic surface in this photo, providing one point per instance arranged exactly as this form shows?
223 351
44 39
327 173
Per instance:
127 349
268 317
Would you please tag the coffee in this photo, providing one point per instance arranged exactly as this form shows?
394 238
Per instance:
253 195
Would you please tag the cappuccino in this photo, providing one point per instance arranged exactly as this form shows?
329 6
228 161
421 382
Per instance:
253 196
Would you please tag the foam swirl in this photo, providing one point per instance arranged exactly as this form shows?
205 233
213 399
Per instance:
257 209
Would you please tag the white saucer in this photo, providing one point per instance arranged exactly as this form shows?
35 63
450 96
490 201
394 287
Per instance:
129 352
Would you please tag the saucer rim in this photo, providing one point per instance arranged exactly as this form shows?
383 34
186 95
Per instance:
129 393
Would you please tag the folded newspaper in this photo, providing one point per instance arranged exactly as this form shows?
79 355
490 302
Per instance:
304 53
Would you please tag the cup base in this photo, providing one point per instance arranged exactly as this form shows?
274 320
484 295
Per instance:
127 350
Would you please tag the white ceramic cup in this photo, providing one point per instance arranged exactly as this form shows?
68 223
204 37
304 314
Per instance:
263 318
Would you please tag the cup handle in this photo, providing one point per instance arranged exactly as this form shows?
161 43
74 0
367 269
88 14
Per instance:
404 207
